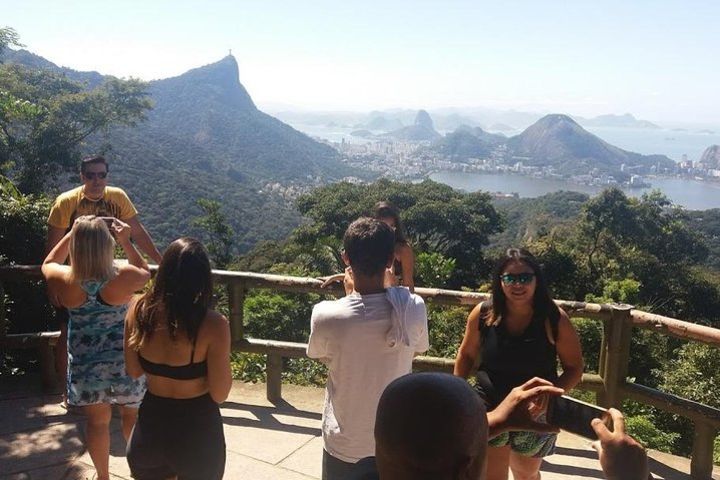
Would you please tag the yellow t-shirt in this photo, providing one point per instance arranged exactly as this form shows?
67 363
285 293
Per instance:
72 204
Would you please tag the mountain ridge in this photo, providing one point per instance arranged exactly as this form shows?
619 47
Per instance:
205 138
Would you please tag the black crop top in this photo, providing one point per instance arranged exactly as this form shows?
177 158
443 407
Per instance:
511 360
190 371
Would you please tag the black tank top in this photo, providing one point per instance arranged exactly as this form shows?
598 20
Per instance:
510 360
190 371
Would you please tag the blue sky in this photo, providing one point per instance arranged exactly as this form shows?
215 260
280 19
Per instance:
655 59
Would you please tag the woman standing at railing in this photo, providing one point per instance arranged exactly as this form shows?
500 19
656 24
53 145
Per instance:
522 334
402 271
183 347
96 291
403 268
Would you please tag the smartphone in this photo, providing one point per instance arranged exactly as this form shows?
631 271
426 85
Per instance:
108 221
575 416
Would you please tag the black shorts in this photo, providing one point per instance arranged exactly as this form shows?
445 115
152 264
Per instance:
177 437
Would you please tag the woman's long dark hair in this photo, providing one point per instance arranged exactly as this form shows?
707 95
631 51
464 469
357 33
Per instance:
543 304
388 210
180 296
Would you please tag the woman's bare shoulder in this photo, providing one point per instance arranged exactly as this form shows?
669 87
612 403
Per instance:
215 323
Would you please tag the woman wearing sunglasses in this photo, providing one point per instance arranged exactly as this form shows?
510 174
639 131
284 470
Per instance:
522 334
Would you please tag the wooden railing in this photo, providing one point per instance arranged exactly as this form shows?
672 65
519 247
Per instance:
610 384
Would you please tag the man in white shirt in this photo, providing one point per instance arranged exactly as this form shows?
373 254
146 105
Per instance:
367 339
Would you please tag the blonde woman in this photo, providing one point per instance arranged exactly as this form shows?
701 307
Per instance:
96 291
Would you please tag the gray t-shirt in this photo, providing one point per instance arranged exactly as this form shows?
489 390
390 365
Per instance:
357 337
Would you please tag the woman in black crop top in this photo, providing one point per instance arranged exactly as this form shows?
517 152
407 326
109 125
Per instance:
183 348
523 334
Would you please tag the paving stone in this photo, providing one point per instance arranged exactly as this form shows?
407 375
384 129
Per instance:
259 433
307 459
239 466
23 451
39 441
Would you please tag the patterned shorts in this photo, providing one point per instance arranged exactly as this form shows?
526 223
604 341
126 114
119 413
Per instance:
528 444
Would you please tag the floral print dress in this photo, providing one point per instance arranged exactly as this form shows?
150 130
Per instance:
96 365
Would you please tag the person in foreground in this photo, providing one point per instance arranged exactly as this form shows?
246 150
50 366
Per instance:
432 426
95 292
367 339
93 197
183 347
522 333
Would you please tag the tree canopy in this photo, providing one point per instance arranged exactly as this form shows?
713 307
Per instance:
436 218
45 117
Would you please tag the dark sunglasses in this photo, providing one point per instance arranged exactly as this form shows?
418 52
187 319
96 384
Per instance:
513 278
94 175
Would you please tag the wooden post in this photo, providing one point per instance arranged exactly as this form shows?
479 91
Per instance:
615 355
701 465
273 371
236 301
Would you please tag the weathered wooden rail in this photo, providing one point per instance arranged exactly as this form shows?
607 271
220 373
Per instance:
610 384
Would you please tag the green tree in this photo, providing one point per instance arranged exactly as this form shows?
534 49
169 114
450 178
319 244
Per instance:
433 269
45 118
437 219
219 235
9 37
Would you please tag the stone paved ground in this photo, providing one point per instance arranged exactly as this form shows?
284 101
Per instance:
39 441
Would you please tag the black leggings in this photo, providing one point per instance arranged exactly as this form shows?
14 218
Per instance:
182 437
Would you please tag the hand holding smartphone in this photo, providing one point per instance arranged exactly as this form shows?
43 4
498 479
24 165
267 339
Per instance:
108 221
575 416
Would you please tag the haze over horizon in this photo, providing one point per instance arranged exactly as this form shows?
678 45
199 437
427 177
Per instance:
652 59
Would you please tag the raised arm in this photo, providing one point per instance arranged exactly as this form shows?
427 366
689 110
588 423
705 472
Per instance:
470 346
407 260
142 238
54 236
218 358
122 232
570 354
55 271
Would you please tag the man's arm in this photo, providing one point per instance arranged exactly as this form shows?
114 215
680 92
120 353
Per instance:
54 235
143 240
317 347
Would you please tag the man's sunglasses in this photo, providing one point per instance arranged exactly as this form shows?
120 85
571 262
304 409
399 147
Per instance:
94 175
513 278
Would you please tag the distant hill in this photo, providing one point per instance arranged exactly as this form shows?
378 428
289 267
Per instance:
206 138
381 122
501 127
711 157
558 141
421 130
529 218
467 142
619 121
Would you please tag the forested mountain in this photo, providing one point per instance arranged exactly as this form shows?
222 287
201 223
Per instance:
528 219
558 141
206 138
468 142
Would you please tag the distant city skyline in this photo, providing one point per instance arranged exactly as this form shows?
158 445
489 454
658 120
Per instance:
656 60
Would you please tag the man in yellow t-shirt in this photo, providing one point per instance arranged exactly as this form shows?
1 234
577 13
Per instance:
93 197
